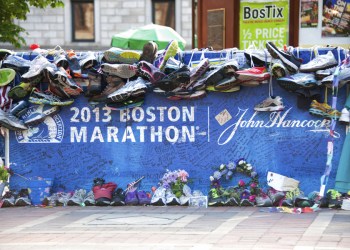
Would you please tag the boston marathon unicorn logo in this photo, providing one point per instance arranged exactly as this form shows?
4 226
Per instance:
50 130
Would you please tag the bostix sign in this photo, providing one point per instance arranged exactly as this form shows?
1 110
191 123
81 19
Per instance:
263 21
83 142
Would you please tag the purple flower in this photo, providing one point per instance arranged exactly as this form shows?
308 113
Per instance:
245 194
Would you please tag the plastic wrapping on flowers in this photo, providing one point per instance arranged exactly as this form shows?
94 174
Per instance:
175 180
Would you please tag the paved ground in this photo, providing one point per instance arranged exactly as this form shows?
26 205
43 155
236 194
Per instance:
171 228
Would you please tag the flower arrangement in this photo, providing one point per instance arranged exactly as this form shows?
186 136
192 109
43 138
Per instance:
4 172
175 180
242 190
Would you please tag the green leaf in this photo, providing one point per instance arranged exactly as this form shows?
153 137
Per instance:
13 10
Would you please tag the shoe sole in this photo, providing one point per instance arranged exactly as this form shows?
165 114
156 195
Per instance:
233 89
274 52
270 109
251 77
193 96
293 86
320 113
253 83
34 121
311 70
171 51
226 83
128 57
35 100
125 71
200 71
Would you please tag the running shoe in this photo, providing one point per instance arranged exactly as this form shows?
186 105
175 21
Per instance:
324 110
125 71
20 91
253 76
170 51
297 81
257 57
40 114
272 103
149 52
37 97
343 78
150 72
278 70
10 121
113 84
35 72
291 62
116 55
320 62
17 63
131 88
88 60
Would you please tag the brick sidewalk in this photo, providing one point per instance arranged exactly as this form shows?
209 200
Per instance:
172 227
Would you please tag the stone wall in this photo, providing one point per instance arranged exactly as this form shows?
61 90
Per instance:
50 27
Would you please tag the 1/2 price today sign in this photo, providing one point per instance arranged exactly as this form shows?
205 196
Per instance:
261 22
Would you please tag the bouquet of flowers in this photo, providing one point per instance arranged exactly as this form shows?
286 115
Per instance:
175 180
5 172
241 191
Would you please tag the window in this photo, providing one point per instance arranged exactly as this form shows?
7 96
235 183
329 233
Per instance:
83 21
163 12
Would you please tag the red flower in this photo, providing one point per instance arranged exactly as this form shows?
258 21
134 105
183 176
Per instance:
253 185
241 183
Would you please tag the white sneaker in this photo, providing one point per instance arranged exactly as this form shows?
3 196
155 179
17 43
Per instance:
34 74
77 199
319 62
158 198
185 198
170 197
270 104
89 199
345 116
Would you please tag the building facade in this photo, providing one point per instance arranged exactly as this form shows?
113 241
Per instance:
90 24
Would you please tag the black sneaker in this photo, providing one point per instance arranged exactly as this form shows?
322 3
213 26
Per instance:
23 198
178 78
291 62
118 198
8 200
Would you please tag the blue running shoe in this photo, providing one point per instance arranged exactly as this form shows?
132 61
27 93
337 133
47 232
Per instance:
40 114
297 81
17 63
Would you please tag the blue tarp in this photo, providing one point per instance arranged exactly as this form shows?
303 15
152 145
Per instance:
83 142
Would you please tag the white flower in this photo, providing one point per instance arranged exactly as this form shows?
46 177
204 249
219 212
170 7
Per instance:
249 166
222 166
211 178
240 162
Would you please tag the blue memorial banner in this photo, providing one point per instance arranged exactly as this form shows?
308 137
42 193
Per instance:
83 142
